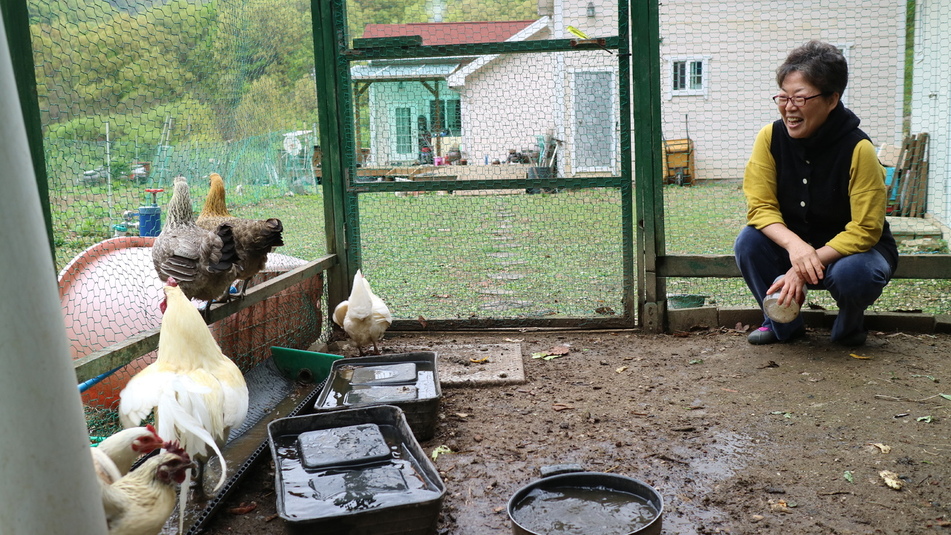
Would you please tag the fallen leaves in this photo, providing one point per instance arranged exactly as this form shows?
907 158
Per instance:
553 353
891 479
781 506
860 357
244 508
558 407
440 450
883 447
479 361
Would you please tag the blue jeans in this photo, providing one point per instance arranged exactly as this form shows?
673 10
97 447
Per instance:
854 281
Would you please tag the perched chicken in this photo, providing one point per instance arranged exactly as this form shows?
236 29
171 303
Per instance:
113 457
204 262
364 316
141 501
197 393
254 238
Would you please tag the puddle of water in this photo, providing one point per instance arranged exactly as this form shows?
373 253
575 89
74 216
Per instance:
583 511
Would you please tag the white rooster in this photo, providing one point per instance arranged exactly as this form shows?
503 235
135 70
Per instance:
197 393
364 316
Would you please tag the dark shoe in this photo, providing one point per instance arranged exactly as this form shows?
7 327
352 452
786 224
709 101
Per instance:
762 336
855 339
765 335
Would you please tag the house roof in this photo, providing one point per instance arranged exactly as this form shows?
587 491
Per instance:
450 33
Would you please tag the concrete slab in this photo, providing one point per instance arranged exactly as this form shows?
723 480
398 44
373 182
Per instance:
912 228
476 364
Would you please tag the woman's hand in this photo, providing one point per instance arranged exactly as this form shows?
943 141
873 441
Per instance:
793 288
806 262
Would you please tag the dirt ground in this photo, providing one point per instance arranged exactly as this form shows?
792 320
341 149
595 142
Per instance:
788 438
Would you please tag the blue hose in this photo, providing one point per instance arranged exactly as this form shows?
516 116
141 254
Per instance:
85 385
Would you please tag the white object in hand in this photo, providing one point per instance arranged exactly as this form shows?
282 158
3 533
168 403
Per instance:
778 312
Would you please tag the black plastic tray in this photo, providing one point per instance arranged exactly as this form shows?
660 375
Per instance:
338 509
421 410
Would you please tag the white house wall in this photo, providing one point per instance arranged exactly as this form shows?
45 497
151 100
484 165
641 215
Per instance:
505 105
931 99
746 41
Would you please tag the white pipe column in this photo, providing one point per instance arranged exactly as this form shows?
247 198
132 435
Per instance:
48 483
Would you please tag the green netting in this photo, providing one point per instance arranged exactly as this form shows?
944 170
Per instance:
526 106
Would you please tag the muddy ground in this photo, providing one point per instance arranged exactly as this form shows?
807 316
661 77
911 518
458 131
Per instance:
789 438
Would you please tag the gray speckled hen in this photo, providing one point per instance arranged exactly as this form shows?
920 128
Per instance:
204 262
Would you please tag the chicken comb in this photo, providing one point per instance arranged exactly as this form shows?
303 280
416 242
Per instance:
152 430
175 447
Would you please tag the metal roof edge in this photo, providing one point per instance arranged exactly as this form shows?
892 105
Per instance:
458 78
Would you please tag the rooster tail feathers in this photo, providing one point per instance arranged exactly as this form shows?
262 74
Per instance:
183 500
360 303
184 417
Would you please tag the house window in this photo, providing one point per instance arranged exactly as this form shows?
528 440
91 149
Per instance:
688 76
449 118
404 131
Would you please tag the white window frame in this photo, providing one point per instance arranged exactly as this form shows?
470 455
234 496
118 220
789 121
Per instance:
845 49
394 139
703 91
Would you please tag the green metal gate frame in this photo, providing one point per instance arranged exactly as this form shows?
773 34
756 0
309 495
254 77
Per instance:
333 57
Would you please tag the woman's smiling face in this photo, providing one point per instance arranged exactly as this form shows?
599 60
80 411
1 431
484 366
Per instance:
803 121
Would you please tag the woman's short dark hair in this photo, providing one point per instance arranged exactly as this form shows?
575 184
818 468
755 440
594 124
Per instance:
821 64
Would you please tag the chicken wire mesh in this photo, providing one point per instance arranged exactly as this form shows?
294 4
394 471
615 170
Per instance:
134 93
510 125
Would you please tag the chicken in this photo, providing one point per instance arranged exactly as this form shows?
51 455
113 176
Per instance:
197 393
364 316
141 501
204 262
254 238
113 457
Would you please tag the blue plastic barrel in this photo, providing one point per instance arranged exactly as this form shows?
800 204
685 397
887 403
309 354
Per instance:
150 220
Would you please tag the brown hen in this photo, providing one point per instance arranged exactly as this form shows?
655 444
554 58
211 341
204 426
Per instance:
204 262
254 238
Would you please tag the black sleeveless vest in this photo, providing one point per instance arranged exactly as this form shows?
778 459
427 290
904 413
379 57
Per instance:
812 182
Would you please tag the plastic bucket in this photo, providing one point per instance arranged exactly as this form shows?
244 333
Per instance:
150 220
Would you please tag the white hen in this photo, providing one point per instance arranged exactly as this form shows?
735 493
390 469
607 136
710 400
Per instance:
364 316
114 456
197 393
141 501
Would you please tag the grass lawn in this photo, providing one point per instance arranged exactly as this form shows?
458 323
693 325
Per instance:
502 256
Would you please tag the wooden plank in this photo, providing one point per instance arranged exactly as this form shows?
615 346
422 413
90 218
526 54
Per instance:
917 194
925 266
914 183
387 42
906 178
897 176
